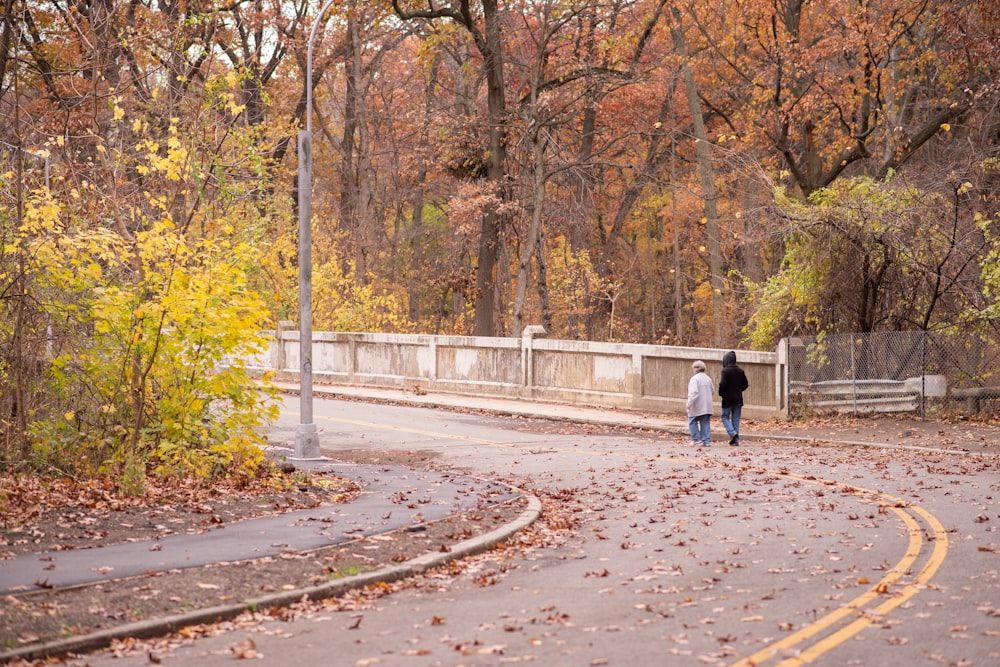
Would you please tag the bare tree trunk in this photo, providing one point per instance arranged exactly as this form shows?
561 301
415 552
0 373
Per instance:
543 282
485 323
6 37
349 159
588 132
709 194
534 232
678 280
416 244
17 353
366 234
489 44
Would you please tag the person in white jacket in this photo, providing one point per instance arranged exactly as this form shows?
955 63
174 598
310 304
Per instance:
699 405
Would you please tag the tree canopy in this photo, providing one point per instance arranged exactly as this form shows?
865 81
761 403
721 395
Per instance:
668 171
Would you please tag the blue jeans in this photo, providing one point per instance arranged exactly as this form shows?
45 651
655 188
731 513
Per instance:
731 419
698 426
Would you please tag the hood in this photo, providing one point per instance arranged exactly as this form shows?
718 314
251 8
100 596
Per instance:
729 359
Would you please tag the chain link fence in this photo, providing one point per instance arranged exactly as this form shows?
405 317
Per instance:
925 373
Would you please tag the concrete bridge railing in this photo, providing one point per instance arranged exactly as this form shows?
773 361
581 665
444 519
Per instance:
614 375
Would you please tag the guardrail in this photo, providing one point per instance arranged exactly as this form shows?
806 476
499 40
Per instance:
861 396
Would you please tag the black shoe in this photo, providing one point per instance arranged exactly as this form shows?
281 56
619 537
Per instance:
734 439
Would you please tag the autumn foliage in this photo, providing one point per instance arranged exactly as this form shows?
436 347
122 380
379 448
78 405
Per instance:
639 170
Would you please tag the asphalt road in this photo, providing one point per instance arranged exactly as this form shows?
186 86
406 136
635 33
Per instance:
772 553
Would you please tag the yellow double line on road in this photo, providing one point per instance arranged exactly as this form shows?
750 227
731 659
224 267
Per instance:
855 615
844 622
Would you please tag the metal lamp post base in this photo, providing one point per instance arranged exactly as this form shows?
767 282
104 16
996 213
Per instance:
307 442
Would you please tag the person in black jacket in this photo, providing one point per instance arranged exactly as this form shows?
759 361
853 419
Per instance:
732 384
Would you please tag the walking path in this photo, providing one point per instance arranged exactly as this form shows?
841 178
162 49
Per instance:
374 512
895 430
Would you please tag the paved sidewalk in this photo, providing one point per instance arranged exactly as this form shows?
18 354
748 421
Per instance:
435 496
892 430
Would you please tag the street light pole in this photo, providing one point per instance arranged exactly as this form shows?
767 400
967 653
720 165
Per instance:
306 437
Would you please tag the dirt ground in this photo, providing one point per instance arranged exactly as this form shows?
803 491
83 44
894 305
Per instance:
975 436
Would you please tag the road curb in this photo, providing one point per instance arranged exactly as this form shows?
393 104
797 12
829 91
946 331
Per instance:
164 626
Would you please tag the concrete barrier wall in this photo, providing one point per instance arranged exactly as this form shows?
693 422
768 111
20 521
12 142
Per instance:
639 377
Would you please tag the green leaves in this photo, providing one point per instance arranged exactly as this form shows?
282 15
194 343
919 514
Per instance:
865 255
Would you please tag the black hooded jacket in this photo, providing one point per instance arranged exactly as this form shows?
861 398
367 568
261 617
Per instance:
732 382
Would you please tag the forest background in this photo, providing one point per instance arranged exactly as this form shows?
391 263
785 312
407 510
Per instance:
705 173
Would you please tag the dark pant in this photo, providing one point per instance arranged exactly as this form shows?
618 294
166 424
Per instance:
731 419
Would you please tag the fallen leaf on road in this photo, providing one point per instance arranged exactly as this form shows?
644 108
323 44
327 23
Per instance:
496 649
